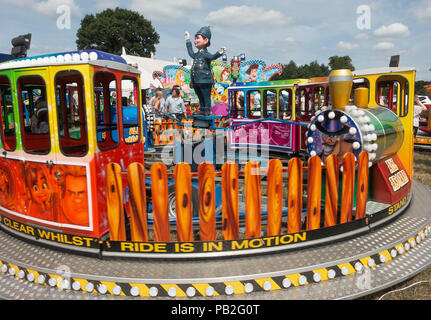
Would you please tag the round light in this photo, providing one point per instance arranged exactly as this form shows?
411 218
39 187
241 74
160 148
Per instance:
372 156
229 290
352 131
65 284
407 246
209 291
331 274
317 277
41 279
412 243
134 291
286 283
76 286
382 258
423 235
344 270
153 292
172 292
102 289
248 288
45 60
53 60
370 164
89 287
60 59
67 57
356 145
191 291
30 277
302 280
320 118
372 127
267 286
76 57
21 274
331 115
393 253
12 271
313 153
84 56
358 266
418 239
313 127
3 268
371 263
343 119
310 140
400 250
52 282
93 55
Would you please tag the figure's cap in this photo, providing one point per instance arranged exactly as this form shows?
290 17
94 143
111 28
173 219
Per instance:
206 33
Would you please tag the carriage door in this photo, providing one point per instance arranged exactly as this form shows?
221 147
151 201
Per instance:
72 168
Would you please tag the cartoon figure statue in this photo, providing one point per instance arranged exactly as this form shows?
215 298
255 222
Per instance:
202 78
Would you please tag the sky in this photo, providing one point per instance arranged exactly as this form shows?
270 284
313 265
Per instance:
275 31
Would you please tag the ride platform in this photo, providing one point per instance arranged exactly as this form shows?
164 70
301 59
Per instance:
357 266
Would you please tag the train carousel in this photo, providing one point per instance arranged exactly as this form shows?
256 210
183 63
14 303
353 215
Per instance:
355 222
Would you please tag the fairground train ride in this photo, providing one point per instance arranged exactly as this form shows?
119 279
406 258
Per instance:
72 176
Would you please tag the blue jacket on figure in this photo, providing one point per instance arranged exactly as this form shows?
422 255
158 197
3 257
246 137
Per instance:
202 78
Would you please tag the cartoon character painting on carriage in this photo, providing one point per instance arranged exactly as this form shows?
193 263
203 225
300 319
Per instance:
82 187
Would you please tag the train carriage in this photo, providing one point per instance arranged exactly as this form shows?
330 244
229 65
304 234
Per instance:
64 118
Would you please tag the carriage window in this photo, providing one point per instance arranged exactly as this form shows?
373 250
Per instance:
106 104
253 104
392 92
318 99
270 103
34 114
7 117
72 124
130 109
236 104
285 104
359 83
303 104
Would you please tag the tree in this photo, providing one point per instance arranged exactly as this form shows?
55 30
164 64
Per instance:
110 30
293 71
419 87
336 62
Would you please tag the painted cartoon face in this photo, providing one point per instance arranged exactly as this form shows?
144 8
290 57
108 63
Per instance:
75 202
329 143
200 42
40 190
253 73
224 76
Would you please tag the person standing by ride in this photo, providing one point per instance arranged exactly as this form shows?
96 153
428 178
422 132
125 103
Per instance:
174 105
157 104
418 109
202 77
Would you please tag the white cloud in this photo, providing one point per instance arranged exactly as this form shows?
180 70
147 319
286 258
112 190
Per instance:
383 46
361 36
165 10
424 14
394 30
48 8
346 46
246 16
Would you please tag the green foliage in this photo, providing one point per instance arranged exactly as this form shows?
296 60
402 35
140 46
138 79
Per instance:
336 62
110 30
314 69
419 87
293 71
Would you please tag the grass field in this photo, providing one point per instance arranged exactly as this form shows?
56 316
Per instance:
418 287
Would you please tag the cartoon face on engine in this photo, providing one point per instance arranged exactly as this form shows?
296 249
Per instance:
333 132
